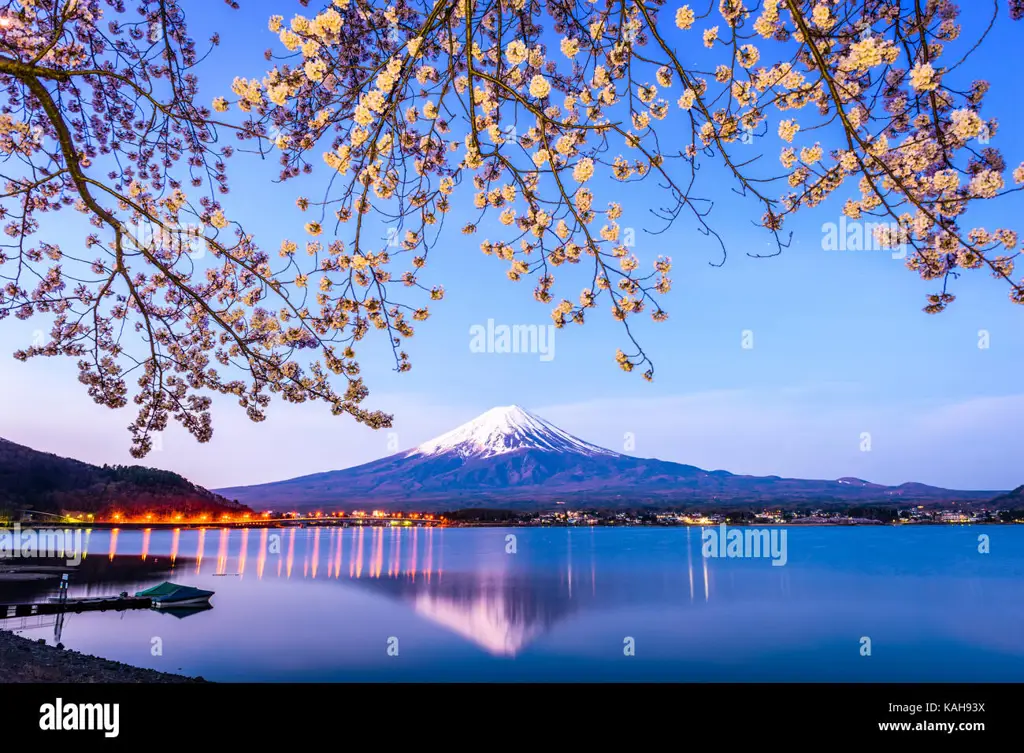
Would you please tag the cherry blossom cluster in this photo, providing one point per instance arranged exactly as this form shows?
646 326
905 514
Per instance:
165 302
529 121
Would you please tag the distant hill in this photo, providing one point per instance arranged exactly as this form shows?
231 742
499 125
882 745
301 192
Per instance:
1011 500
509 458
41 481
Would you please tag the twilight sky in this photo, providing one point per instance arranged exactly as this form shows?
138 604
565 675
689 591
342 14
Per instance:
840 345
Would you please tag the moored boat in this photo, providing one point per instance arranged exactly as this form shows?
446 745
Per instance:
169 595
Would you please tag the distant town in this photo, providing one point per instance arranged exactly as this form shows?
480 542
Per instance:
852 516
561 516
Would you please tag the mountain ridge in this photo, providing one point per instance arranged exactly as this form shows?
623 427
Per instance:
46 482
510 458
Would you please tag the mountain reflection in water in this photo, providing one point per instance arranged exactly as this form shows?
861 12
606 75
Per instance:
498 605
471 604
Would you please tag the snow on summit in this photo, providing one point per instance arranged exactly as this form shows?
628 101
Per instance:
506 429
509 458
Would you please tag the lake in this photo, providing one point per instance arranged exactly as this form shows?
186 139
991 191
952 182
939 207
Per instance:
557 604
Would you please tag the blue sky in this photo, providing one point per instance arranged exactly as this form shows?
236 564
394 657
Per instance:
840 345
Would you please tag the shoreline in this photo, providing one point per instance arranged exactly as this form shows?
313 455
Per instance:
507 524
735 524
26 660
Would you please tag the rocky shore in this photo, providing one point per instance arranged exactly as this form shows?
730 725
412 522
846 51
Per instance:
25 660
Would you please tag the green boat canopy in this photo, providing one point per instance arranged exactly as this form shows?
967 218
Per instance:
164 589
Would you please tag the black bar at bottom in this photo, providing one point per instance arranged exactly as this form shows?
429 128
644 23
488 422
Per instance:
241 713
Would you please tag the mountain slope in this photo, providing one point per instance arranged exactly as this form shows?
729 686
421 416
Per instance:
508 457
1012 500
41 481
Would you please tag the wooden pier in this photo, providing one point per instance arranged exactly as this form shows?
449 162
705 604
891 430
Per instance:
83 604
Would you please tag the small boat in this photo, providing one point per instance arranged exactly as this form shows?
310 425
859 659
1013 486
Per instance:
172 596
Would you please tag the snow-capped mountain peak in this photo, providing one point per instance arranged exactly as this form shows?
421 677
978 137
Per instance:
509 458
506 429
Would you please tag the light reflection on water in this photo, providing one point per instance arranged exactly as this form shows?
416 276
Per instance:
321 604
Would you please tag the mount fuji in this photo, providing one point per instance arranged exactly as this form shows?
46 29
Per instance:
511 458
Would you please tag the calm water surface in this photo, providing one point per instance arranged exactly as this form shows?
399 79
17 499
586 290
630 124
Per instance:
322 604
